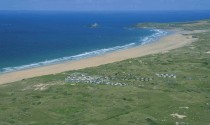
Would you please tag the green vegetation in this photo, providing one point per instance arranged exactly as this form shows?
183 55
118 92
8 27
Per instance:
195 25
146 99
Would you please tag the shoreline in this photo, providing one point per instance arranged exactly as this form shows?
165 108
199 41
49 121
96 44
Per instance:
164 44
159 33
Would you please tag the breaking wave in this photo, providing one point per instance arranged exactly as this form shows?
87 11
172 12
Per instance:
158 33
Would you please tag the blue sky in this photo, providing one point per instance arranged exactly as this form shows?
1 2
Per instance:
104 5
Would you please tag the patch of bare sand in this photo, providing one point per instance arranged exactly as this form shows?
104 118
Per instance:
176 115
200 23
41 86
184 107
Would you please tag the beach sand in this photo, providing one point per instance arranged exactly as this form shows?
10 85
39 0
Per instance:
164 44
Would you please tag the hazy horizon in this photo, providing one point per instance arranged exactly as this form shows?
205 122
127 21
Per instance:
104 5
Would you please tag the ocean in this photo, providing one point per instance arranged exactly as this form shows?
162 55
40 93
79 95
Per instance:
37 38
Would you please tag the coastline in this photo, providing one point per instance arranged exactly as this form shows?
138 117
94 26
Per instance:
164 44
158 33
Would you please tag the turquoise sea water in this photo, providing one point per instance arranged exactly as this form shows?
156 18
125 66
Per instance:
32 39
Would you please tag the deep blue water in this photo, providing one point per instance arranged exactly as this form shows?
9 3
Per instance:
30 39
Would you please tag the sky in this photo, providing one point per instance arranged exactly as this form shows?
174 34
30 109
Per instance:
104 5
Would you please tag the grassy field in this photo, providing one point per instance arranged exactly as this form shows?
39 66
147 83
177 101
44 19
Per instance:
170 88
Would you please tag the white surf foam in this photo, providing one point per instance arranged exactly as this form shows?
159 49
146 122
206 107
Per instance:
63 59
158 33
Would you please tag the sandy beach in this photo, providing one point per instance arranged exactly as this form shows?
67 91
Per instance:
164 44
